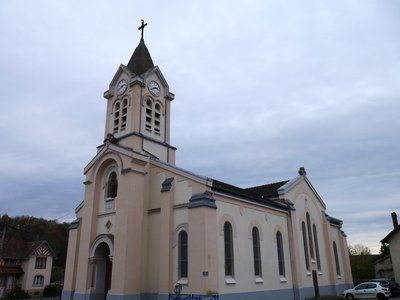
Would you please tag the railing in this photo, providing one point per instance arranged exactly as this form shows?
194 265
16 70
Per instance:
193 297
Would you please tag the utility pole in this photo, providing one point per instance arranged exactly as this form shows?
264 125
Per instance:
3 236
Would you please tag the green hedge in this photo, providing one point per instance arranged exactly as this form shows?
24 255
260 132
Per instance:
52 290
17 293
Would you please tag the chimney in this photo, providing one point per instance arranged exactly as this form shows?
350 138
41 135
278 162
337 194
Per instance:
394 219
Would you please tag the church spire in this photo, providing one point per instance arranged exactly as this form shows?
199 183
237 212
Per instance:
140 61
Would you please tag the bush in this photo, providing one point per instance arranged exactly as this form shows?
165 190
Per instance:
52 290
17 293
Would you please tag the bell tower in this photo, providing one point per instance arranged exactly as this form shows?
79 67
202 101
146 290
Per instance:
138 106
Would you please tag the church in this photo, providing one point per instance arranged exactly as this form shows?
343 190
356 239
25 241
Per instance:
147 227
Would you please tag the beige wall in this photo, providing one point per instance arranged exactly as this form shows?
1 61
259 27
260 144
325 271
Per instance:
243 216
146 224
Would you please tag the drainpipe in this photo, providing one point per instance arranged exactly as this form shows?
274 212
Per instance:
3 236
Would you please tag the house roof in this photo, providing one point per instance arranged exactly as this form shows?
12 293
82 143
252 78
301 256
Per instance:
387 238
381 258
20 249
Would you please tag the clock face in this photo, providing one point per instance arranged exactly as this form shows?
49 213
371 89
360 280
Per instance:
122 86
154 88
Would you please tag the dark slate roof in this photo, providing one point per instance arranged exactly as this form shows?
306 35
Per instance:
266 190
387 238
17 248
140 61
248 193
335 221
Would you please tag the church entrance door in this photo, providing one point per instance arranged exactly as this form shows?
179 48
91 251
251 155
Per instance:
315 282
103 270
107 284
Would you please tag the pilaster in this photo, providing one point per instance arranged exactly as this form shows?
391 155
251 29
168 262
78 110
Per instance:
87 234
128 238
72 258
166 237
330 264
203 244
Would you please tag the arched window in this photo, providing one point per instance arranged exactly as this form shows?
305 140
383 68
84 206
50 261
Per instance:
154 117
157 118
228 247
183 254
281 257
112 185
316 247
116 115
38 280
124 113
256 252
335 253
307 259
310 239
120 114
149 115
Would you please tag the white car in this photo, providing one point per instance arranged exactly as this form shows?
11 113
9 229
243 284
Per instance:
367 290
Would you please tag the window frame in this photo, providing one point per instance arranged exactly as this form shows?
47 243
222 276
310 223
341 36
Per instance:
305 244
256 252
41 262
310 238
228 250
120 115
38 280
183 260
317 256
281 254
336 256
109 199
111 193
154 117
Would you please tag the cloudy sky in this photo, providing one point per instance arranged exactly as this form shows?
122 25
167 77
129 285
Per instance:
262 88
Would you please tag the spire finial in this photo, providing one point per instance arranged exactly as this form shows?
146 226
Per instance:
142 28
302 171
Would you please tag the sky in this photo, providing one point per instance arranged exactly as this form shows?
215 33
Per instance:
261 89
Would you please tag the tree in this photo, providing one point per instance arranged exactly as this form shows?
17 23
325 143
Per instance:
30 228
362 267
384 249
359 249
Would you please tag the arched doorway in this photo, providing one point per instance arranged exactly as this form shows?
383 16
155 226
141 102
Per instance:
101 266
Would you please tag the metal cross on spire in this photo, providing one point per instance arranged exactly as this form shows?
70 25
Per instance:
142 28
